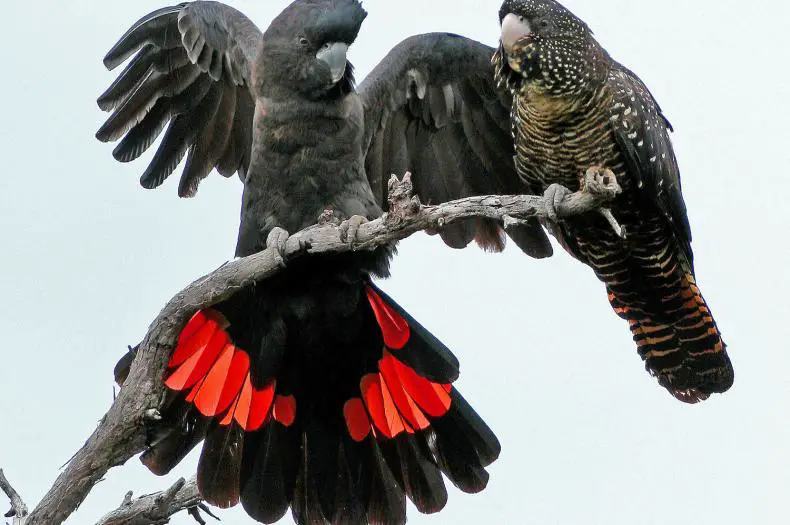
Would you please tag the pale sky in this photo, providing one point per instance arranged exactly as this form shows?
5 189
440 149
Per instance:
588 437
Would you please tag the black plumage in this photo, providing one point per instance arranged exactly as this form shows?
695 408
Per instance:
313 390
575 108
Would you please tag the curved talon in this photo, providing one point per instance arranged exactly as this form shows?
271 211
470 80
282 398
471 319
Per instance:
552 197
349 229
276 240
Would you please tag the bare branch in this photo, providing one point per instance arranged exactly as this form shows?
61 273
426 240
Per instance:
121 433
157 508
18 508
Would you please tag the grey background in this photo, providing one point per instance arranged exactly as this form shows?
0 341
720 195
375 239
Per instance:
88 258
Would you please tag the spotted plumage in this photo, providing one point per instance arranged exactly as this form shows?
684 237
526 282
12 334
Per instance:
574 108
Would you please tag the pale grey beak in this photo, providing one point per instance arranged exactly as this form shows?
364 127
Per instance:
334 55
514 28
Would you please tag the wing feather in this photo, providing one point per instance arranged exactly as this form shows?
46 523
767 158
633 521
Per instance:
191 68
431 108
642 132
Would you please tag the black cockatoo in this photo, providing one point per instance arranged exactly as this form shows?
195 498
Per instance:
576 108
314 389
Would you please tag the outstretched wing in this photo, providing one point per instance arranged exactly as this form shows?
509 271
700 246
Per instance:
431 107
642 132
192 68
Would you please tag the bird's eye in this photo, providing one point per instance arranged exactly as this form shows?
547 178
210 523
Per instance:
303 41
544 24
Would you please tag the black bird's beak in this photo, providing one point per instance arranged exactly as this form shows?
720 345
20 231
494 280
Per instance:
514 28
333 54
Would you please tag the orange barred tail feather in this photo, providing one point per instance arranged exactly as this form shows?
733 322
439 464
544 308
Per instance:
681 345
353 390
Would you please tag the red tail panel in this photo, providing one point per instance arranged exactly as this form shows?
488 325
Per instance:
195 367
254 405
432 398
217 374
406 405
284 410
260 406
394 327
357 420
193 325
380 406
396 399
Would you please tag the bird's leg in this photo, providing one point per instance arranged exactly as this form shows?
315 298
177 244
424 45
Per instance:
552 197
349 229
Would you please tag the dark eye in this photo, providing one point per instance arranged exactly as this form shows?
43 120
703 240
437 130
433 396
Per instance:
544 24
303 41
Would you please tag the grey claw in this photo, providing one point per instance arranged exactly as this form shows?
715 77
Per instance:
304 244
552 198
276 240
349 229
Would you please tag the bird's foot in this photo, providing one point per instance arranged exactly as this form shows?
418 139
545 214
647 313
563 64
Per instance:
349 229
276 240
600 181
552 197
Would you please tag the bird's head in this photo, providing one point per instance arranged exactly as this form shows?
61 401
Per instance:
548 46
304 48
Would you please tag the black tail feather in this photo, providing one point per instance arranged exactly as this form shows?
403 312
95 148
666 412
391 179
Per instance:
170 449
320 446
180 430
421 478
387 503
353 485
464 446
268 472
220 465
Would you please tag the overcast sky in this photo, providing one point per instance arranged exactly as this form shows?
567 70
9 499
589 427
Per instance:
89 258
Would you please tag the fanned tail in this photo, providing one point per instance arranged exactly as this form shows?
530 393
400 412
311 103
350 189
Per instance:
336 404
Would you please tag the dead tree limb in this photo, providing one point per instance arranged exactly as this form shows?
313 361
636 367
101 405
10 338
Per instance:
152 509
18 510
120 434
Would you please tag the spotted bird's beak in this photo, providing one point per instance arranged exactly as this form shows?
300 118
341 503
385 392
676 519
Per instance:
333 54
514 28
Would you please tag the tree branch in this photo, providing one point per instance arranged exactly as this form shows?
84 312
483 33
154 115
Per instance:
157 508
18 508
121 433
